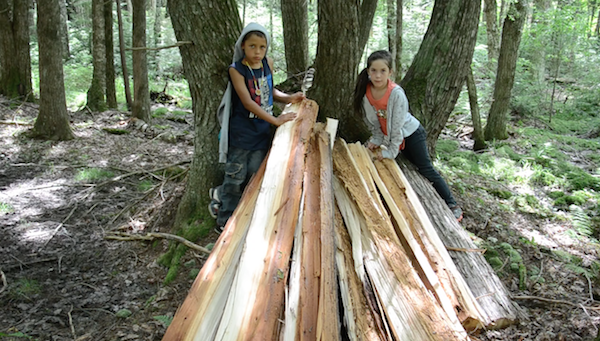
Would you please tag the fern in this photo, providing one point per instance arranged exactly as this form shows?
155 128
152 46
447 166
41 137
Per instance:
581 221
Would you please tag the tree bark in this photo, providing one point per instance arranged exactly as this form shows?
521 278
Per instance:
111 92
507 63
15 77
391 30
96 94
214 30
399 21
343 31
156 37
475 117
141 91
436 77
294 15
491 22
52 122
64 29
598 25
123 58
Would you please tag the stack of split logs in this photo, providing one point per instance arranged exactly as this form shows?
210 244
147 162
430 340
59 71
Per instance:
328 245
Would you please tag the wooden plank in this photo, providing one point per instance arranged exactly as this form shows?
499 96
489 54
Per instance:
412 311
203 307
489 291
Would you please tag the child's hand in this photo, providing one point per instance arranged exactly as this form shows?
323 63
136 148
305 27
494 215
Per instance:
372 146
281 119
297 97
403 144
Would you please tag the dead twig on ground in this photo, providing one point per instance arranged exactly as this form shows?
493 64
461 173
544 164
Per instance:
465 250
16 123
21 264
57 229
71 323
123 176
4 283
548 300
155 235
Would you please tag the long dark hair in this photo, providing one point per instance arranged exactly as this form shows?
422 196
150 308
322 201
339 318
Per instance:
363 79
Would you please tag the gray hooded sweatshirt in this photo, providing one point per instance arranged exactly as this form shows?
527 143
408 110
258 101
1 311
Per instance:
224 111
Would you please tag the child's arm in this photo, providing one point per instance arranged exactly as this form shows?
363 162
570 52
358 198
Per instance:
240 88
282 97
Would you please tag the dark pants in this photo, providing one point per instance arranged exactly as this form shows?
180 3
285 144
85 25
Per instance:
241 165
415 150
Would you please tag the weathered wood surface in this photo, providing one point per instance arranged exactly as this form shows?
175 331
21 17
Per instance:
491 294
411 310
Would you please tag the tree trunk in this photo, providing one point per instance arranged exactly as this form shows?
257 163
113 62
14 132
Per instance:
15 78
491 22
475 117
111 92
141 91
598 25
294 15
123 58
96 94
52 122
214 30
399 21
64 29
391 30
343 31
538 59
436 77
156 37
505 76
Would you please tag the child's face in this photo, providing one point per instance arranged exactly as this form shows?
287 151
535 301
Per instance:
379 72
255 49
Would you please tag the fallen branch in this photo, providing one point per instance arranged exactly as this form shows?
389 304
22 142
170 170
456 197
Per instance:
465 250
4 284
57 229
15 123
21 264
156 235
144 48
548 300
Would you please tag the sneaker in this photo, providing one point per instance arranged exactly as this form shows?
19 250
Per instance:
213 194
458 213
219 229
213 208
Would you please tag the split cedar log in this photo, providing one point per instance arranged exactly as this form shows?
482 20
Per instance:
328 323
412 311
416 232
201 311
492 295
256 299
362 315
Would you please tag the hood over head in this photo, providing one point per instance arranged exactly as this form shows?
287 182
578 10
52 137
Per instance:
238 53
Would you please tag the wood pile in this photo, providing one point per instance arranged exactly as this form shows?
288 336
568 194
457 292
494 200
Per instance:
328 245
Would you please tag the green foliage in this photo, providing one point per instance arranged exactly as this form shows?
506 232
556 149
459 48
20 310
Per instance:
160 112
582 223
145 185
164 319
123 313
93 174
26 288
6 208
15 335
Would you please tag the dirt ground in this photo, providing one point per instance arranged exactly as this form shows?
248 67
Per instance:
62 280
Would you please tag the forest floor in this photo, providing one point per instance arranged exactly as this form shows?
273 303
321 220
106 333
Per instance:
62 280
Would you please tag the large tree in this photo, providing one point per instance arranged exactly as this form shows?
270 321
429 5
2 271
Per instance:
141 91
96 93
490 9
344 27
505 76
111 93
212 27
294 15
15 77
437 75
53 120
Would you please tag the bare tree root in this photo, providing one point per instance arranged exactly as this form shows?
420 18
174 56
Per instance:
156 235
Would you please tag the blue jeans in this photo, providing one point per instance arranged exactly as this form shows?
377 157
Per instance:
415 150
241 165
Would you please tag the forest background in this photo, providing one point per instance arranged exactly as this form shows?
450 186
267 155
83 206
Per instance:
530 198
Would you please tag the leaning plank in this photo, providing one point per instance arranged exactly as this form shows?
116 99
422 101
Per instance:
256 298
202 309
489 291
412 311
440 273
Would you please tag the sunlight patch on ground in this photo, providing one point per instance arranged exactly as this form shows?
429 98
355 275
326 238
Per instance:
31 198
534 235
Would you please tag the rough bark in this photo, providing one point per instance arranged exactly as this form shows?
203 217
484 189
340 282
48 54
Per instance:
399 21
96 100
343 31
52 122
213 30
490 9
156 36
436 77
507 63
64 29
141 90
15 77
111 92
123 58
475 117
391 30
492 295
294 15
